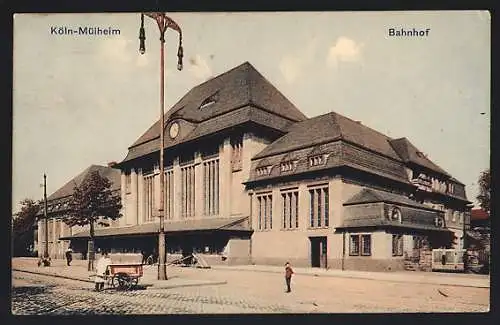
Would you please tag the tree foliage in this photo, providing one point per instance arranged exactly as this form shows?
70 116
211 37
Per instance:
23 226
484 190
93 202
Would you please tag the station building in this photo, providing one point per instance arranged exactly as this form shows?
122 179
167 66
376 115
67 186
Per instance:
247 173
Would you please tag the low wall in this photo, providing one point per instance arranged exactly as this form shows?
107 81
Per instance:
367 264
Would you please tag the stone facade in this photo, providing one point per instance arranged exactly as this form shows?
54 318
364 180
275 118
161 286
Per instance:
294 180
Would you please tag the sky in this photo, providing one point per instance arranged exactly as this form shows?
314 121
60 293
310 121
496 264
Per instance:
80 100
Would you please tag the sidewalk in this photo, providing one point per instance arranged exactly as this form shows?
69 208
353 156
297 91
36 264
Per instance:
451 279
78 271
178 278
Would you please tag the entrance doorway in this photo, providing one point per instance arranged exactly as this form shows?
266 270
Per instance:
318 252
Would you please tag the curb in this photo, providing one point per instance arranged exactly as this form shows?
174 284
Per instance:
152 285
360 277
54 275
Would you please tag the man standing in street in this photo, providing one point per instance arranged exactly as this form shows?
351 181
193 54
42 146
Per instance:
101 269
69 256
288 276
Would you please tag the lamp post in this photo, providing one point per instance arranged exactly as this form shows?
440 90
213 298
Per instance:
164 22
46 219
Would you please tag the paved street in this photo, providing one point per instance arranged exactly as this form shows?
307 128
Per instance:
245 292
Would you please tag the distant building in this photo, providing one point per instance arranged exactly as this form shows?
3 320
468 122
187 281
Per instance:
249 174
57 207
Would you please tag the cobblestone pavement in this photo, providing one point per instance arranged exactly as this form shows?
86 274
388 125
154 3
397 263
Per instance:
38 294
245 292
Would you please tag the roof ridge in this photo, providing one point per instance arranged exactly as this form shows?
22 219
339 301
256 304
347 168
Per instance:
364 125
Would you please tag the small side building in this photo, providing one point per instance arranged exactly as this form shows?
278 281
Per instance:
57 208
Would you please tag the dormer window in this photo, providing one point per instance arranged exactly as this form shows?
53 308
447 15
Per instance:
262 171
287 166
210 100
317 160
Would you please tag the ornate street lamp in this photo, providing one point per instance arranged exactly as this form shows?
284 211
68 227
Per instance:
164 22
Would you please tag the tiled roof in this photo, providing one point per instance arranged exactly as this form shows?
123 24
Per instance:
189 133
335 154
327 128
239 87
368 195
409 153
238 223
113 175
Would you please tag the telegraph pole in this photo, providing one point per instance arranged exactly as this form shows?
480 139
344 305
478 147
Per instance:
46 252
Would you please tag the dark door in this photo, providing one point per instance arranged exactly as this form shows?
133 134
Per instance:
318 252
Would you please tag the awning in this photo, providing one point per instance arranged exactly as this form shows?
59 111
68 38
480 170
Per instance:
236 224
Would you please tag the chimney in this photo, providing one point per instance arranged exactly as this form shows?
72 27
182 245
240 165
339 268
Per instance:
112 163
359 122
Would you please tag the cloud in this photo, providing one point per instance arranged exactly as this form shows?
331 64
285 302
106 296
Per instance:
117 50
345 49
290 68
199 68
292 65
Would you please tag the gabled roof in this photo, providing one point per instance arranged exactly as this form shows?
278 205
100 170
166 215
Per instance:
368 195
326 128
67 189
236 88
409 153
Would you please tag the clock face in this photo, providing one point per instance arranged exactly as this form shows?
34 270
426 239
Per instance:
174 130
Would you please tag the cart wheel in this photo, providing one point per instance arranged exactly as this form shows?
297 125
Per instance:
114 281
121 281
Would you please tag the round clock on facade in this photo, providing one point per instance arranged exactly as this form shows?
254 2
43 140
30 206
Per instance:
174 130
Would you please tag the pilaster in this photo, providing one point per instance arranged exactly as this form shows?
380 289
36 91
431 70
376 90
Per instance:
303 207
276 210
198 186
123 195
335 203
141 209
225 179
133 198
177 189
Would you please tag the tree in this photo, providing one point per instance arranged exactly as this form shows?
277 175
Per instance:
23 226
484 190
93 202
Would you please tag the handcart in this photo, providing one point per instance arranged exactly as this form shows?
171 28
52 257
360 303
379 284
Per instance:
124 276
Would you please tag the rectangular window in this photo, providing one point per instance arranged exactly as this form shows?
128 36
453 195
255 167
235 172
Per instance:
327 207
187 189
236 152
360 245
318 207
211 187
397 245
265 203
354 245
366 245
169 194
149 197
290 209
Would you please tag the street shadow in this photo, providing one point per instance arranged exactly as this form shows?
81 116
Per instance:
28 290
